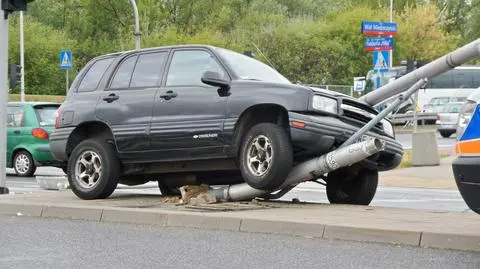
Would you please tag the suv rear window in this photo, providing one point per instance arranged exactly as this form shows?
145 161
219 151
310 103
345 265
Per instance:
94 75
46 114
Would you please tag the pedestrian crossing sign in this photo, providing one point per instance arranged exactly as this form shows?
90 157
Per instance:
381 60
65 59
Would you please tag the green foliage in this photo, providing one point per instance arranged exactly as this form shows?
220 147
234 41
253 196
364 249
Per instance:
310 41
42 46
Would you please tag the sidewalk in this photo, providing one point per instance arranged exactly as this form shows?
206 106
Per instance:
420 228
436 177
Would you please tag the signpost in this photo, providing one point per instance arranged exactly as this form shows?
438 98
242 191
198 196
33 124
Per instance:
378 43
359 84
381 45
66 63
379 28
381 60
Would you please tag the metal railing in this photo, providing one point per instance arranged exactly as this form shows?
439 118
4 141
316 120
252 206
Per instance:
407 118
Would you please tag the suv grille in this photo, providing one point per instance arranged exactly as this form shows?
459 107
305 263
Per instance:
359 115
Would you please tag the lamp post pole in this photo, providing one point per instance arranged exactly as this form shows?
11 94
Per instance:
391 20
137 24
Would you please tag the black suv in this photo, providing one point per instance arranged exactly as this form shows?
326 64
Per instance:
195 114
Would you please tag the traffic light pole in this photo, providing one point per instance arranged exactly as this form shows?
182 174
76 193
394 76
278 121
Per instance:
3 100
22 61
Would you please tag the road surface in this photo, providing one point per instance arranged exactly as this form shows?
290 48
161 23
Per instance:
417 198
443 143
52 243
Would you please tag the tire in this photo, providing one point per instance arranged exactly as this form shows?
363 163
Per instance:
23 164
167 191
445 134
281 157
346 187
65 170
97 154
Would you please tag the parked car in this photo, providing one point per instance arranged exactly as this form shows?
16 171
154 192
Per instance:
447 119
437 104
28 128
466 112
195 114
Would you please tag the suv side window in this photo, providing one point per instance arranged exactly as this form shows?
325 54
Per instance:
94 75
148 70
124 73
14 116
188 66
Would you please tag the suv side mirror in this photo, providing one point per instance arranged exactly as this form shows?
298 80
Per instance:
214 79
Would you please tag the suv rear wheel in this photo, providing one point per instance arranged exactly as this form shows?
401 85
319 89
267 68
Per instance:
93 169
266 156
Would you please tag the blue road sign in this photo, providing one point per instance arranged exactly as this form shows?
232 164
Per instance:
381 60
378 43
66 59
379 28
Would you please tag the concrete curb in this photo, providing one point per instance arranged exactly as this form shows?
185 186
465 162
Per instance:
212 221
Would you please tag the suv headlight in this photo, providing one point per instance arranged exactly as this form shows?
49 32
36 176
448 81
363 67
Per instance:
388 128
325 104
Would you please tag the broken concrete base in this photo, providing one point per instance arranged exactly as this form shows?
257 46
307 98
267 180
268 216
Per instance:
53 182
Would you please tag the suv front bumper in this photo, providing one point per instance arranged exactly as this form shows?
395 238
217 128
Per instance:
321 134
466 171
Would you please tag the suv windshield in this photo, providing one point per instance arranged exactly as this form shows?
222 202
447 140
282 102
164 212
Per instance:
248 68
46 114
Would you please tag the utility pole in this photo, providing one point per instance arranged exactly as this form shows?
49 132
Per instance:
391 20
22 61
137 24
3 99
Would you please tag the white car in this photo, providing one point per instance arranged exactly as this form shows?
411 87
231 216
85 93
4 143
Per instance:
466 112
447 118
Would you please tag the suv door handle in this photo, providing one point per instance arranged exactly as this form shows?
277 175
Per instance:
169 95
111 97
16 132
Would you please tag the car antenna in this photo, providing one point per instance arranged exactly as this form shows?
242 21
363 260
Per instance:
263 54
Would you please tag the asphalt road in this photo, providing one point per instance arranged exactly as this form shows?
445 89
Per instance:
51 243
417 198
443 143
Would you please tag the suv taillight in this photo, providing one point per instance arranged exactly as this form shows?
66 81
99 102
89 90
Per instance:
40 133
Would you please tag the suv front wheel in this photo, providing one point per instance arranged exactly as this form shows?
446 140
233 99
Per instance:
93 169
266 156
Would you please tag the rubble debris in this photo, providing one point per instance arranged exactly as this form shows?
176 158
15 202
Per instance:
196 195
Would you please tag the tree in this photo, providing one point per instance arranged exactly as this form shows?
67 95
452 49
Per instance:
472 28
421 36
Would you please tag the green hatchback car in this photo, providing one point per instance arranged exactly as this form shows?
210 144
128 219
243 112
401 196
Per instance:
28 127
